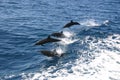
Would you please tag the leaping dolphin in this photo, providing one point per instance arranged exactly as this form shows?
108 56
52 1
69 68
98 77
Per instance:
58 34
47 40
51 53
71 24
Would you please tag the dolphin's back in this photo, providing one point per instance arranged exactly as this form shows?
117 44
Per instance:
41 42
54 40
71 24
57 34
67 25
48 53
47 40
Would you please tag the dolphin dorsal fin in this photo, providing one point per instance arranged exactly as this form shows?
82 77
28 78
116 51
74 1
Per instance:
71 21
61 32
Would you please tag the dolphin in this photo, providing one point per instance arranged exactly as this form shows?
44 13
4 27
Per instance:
51 53
71 24
58 34
47 40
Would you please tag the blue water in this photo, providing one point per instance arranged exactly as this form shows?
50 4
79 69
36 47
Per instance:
23 22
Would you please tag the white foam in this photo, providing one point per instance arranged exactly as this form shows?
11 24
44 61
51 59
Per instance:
90 22
105 65
106 22
66 41
68 38
68 34
59 51
10 76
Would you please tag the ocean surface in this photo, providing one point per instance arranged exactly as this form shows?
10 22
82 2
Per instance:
91 50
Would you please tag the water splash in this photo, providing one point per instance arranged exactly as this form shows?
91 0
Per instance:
68 33
106 22
90 23
105 65
59 51
67 41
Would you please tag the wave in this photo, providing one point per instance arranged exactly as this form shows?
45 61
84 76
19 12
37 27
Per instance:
103 62
97 59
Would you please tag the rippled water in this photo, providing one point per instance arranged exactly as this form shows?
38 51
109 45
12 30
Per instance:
91 50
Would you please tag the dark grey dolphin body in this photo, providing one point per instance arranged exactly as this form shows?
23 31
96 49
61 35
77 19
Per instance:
50 53
71 24
58 34
47 40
